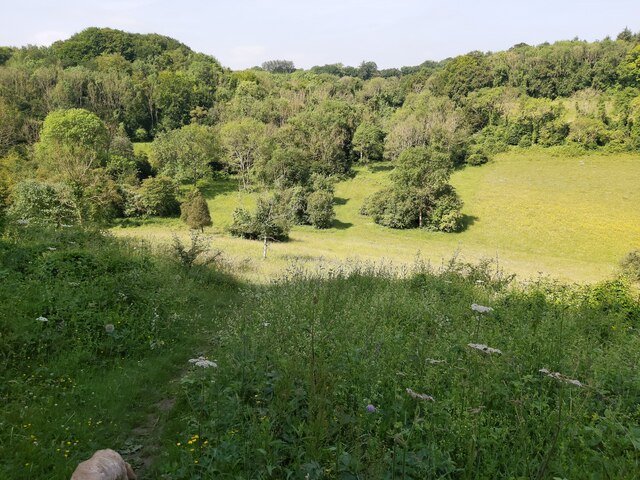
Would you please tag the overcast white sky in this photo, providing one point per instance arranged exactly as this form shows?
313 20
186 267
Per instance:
393 33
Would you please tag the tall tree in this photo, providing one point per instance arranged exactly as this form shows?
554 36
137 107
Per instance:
243 142
186 154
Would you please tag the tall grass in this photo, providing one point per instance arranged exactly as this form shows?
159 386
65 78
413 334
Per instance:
308 375
92 331
313 374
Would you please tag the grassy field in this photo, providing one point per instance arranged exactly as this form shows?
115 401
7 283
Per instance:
356 375
572 218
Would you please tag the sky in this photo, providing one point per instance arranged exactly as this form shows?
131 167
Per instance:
393 33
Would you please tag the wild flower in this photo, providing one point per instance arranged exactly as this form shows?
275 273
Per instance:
22 221
371 408
434 361
203 362
109 328
42 319
560 377
484 348
480 308
52 249
419 396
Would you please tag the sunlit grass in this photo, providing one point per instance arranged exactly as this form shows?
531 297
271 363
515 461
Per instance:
573 218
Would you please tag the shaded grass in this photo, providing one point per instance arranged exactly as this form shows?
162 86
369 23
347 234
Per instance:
573 218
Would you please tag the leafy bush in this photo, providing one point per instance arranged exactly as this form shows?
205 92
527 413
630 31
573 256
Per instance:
158 197
269 221
392 209
295 203
445 214
42 203
631 265
320 209
197 251
589 132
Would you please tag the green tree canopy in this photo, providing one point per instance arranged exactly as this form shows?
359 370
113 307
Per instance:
186 154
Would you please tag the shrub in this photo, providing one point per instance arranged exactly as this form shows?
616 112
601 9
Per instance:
121 146
198 249
195 211
445 215
243 225
122 169
392 209
320 209
269 221
42 203
158 196
631 265
294 202
477 159
589 132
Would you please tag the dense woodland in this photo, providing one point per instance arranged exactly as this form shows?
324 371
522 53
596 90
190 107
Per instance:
70 112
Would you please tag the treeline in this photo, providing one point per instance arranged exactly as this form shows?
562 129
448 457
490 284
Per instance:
291 130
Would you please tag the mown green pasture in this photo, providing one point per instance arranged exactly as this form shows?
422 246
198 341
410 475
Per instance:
570 217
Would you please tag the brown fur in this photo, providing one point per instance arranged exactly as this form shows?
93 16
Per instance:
104 465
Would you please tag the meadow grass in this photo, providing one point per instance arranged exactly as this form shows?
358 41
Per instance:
569 217
91 337
313 374
312 370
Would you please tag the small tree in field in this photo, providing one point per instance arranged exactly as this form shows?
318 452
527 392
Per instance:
269 223
195 211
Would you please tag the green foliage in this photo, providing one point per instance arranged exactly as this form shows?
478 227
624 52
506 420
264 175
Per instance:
631 265
368 142
285 167
194 211
279 66
186 154
42 204
426 121
10 125
157 196
325 133
72 142
590 133
269 222
198 251
538 122
391 208
463 75
121 146
320 209
629 69
93 42
420 196
244 143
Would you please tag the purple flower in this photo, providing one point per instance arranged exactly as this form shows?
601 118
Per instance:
371 408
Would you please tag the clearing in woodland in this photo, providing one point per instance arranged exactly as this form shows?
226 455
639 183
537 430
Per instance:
570 217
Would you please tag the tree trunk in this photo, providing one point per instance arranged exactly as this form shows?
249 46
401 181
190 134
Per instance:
420 218
264 248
